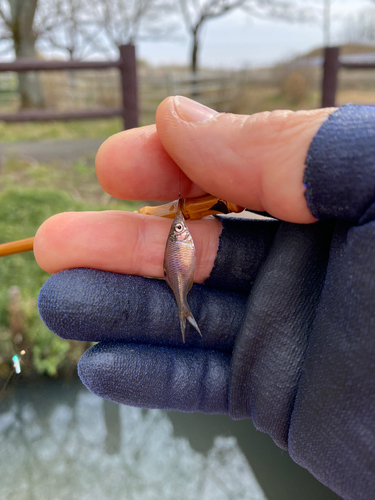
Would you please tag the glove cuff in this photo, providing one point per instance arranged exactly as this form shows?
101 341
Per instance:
340 167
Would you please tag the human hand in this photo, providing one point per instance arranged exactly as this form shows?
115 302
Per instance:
269 356
145 164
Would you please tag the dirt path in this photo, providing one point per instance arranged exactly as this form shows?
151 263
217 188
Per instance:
65 152
47 151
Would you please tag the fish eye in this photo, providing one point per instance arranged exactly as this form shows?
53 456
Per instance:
179 227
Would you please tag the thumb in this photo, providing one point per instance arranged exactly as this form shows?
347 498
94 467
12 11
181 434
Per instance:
255 161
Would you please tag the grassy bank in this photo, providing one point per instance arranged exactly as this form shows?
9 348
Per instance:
295 91
29 194
75 129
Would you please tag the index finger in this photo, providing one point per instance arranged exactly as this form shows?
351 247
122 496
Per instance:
133 165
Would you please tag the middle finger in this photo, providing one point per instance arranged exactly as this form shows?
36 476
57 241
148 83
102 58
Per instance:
133 165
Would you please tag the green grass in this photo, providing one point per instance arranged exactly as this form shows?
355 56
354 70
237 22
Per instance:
77 129
22 210
29 194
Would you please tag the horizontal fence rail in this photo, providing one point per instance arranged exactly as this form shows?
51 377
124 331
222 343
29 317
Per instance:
39 115
331 66
126 65
21 65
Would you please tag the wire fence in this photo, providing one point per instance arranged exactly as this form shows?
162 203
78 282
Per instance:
299 84
126 70
331 66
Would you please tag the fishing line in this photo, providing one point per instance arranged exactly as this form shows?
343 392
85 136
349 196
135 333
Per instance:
179 194
180 202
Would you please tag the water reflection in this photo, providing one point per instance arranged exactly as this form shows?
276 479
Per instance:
60 442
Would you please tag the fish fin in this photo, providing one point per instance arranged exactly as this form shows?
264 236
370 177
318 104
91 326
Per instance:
167 279
183 327
186 314
190 286
192 321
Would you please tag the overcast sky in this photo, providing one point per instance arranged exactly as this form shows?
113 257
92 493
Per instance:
237 40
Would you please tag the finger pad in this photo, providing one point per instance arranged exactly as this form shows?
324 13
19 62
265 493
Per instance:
134 165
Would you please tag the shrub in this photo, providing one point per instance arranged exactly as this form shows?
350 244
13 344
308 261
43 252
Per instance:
295 87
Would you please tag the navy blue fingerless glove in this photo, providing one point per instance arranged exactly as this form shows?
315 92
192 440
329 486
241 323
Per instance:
287 317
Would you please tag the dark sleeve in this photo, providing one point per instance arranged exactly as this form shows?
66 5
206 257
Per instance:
333 424
304 363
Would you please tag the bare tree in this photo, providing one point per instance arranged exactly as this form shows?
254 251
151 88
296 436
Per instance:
196 13
17 26
360 28
124 21
327 23
295 11
67 25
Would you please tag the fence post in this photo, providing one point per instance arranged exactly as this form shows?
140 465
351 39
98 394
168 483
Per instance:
330 69
128 70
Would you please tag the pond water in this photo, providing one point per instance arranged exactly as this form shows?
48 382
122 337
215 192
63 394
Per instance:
60 442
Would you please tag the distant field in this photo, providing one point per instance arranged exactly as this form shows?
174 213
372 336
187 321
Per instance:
355 97
79 129
250 100
285 86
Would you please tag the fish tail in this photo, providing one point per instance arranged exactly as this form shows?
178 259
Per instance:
183 327
186 314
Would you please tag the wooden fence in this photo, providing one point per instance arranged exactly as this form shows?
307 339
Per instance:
331 67
126 65
216 89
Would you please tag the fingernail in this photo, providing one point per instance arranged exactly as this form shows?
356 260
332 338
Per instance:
192 111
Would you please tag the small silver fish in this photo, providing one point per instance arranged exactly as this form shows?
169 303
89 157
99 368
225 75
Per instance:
179 267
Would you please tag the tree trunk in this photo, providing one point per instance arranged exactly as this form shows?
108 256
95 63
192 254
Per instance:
194 52
29 87
194 62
